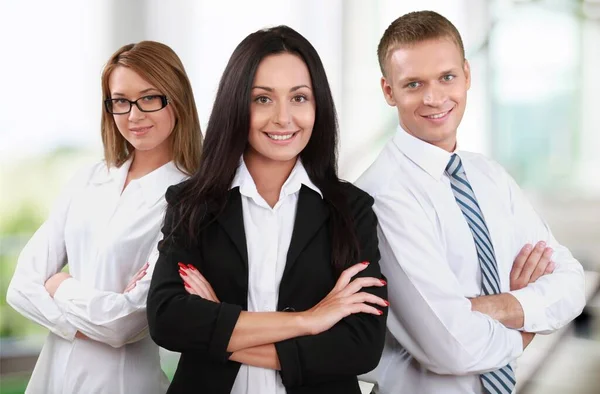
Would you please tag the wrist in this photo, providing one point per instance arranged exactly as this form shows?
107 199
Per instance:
302 322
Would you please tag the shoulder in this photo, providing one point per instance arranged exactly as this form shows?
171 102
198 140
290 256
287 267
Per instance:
378 177
358 200
175 192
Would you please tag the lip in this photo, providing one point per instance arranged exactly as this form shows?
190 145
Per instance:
140 130
438 120
281 142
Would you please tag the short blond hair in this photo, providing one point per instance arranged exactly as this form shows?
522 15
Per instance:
413 28
160 66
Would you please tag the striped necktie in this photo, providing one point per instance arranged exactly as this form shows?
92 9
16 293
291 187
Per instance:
500 381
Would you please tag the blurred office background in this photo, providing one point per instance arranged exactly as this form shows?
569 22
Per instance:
532 106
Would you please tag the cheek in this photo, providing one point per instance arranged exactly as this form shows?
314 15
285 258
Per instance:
121 123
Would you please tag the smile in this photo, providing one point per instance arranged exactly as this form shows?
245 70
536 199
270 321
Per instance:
280 137
438 116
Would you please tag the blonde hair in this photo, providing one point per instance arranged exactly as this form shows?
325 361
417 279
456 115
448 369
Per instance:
413 28
160 66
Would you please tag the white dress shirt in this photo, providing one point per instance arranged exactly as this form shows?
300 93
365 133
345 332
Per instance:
105 234
435 343
268 236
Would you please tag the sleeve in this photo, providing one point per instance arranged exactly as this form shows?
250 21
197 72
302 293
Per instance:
43 256
177 320
112 318
429 315
556 299
354 345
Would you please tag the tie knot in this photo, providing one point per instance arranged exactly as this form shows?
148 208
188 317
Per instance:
454 166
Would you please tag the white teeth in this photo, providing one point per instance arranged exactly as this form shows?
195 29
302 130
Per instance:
279 137
437 116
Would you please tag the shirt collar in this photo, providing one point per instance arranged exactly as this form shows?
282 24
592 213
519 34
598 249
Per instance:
293 183
430 158
153 185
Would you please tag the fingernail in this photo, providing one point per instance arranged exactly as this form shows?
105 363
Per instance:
387 303
365 263
528 247
383 282
191 267
186 285
182 273
542 244
181 265
380 312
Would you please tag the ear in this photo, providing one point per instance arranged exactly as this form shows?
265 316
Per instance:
387 92
467 71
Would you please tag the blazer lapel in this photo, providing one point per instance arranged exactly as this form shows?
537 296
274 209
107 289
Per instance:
232 221
311 214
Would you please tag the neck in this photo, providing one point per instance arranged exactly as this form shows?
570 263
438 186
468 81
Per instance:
144 162
268 175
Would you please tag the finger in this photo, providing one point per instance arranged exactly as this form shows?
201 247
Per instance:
348 274
365 308
367 297
532 262
189 289
542 265
129 288
520 261
550 268
195 284
193 272
197 290
360 283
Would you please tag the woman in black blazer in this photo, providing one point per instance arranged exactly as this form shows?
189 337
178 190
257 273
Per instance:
268 279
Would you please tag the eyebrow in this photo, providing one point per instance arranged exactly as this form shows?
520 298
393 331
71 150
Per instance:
291 90
141 92
414 79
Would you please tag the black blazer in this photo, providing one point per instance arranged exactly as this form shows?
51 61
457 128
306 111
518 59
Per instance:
201 329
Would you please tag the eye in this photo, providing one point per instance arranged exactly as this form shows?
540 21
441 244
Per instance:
262 100
150 98
448 77
121 101
299 99
413 85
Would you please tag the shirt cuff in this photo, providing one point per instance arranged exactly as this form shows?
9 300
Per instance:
68 290
534 311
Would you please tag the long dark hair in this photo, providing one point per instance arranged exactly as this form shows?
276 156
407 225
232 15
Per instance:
227 138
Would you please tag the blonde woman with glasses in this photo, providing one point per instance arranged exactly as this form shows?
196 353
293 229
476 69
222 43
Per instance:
106 226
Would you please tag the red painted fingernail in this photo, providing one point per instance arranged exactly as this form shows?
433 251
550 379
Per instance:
380 312
186 285
191 267
365 263
182 273
387 303
181 265
383 282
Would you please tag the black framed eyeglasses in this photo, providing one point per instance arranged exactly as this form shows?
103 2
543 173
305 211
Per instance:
122 106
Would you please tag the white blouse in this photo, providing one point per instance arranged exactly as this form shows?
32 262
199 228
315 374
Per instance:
268 236
105 234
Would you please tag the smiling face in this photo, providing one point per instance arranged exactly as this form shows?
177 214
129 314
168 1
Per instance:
428 82
282 109
149 132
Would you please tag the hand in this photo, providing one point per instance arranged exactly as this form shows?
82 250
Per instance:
55 281
81 335
527 338
530 264
195 283
345 300
136 278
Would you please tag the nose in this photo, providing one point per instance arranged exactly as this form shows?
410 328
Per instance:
434 96
282 114
135 114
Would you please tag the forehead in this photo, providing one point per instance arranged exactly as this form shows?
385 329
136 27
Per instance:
424 58
283 69
125 80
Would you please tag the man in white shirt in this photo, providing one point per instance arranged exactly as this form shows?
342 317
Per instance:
473 271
